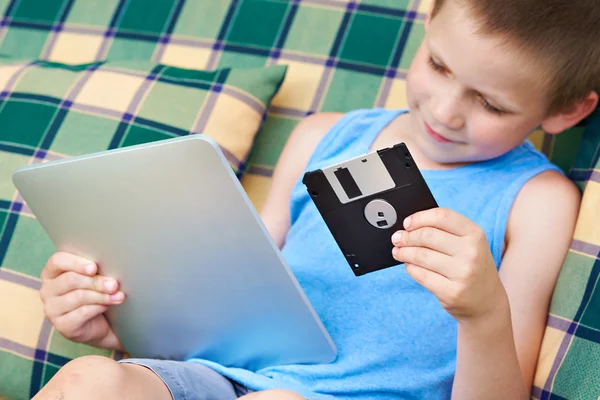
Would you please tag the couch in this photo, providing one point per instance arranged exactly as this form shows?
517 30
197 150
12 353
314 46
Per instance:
245 72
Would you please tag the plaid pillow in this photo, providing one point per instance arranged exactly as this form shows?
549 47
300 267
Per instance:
569 362
49 111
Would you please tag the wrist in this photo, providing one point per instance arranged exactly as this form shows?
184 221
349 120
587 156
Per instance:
497 316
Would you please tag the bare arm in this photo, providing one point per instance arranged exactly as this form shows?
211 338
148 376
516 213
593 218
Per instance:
290 166
497 356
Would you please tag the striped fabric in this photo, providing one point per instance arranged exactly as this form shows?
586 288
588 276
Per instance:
341 55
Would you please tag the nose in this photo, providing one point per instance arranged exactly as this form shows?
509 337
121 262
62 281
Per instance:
445 108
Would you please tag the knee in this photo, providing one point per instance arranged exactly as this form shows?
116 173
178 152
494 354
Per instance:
273 394
284 394
93 374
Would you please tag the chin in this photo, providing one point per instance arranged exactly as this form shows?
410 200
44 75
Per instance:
441 154
446 158
453 156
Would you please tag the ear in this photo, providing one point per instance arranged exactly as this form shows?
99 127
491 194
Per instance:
563 120
430 15
428 19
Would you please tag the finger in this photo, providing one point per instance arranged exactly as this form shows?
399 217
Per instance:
62 262
443 219
81 297
426 258
430 280
432 238
81 315
70 281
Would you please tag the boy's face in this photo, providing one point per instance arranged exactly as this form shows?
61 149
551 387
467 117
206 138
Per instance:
471 97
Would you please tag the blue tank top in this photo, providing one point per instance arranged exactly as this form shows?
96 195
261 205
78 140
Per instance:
394 339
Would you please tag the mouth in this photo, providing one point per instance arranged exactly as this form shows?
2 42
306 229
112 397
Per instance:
436 136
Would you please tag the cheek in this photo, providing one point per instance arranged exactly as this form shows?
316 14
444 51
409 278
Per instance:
498 135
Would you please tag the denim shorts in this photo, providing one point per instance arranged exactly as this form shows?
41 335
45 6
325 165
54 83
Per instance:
191 381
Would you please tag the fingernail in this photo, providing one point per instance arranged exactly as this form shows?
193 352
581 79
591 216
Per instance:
407 222
110 285
90 269
117 297
395 251
396 237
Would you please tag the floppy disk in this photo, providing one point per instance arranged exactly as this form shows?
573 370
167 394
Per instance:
364 200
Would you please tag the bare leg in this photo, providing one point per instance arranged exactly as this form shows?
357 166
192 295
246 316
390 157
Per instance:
95 377
274 394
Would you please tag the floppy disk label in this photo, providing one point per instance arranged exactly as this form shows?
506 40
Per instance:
353 179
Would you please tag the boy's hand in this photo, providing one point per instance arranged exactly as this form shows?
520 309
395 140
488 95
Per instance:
75 299
449 255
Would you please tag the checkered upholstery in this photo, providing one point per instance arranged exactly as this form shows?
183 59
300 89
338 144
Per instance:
341 55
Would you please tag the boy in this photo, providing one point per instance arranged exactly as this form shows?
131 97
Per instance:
466 315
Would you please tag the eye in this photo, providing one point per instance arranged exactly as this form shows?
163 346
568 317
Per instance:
435 66
490 107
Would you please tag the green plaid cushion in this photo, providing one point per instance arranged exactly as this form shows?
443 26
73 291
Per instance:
569 363
49 111
585 165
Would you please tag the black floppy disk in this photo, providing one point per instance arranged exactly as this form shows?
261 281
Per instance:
365 200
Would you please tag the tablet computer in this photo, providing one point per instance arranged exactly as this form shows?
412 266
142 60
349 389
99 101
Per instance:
171 221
